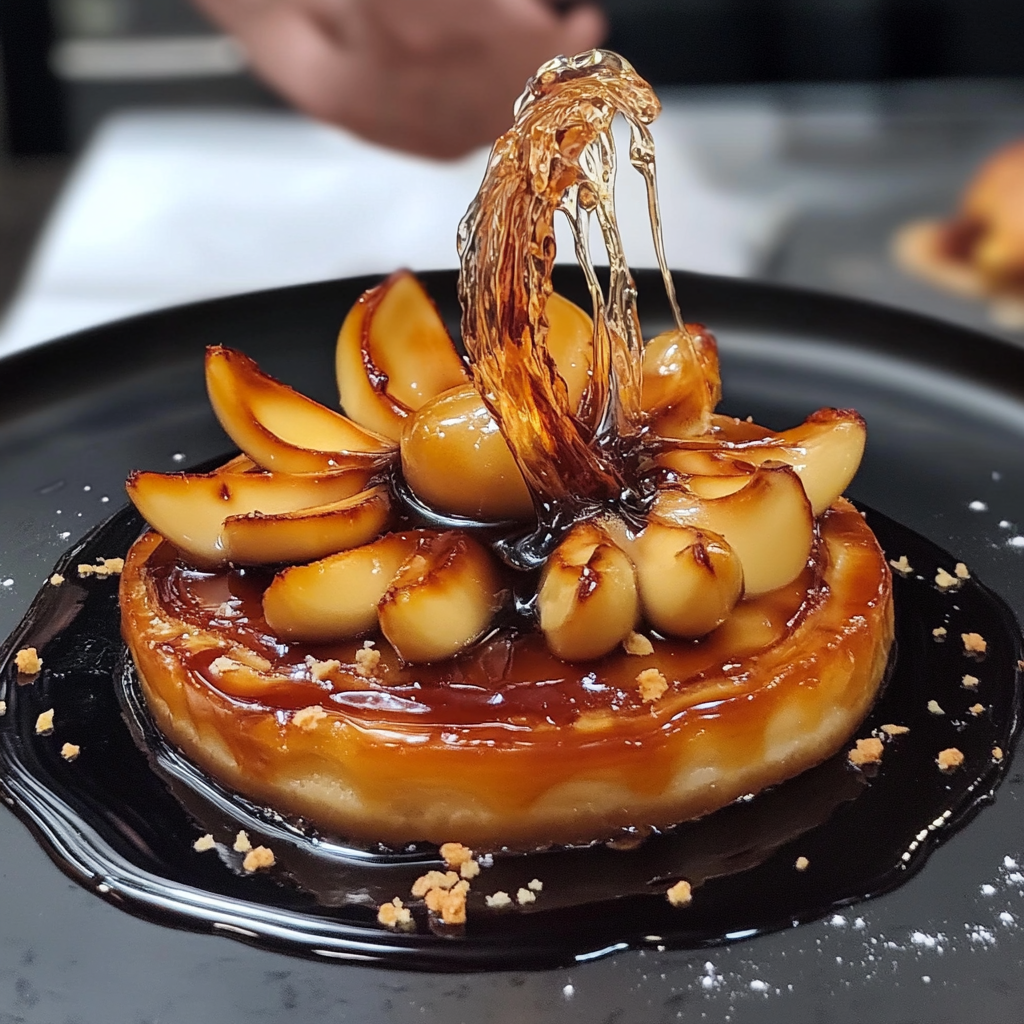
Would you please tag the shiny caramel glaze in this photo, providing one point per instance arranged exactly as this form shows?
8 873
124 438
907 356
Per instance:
507 745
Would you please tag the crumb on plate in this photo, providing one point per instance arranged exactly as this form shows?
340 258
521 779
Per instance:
433 880
56 580
321 670
801 864
102 567
498 900
949 759
969 682
258 857
652 684
901 565
204 843
3 708
394 914
976 709
974 643
945 580
638 644
997 753
933 707
44 723
70 751
895 730
680 894
962 571
535 884
867 751
939 633
525 896
28 662
242 843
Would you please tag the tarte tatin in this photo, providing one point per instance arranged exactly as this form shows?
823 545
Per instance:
537 595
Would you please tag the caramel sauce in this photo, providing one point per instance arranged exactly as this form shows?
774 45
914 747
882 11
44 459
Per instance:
559 155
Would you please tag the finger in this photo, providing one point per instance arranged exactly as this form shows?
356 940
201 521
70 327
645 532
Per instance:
583 28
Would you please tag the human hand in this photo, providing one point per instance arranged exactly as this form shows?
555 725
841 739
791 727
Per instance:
434 77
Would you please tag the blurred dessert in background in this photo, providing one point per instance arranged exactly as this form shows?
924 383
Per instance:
979 251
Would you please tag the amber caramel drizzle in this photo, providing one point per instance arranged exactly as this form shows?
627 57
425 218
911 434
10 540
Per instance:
560 155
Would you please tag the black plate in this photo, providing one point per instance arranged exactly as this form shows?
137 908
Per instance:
943 410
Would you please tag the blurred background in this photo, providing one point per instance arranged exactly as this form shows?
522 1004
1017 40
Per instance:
143 163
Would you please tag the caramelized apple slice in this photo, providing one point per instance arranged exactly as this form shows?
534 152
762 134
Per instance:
456 460
689 580
281 430
571 344
394 353
336 597
587 599
189 509
681 381
259 538
767 522
825 451
442 598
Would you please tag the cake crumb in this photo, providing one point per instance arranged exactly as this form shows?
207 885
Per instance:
976 709
307 719
28 662
70 751
949 759
939 633
997 753
499 900
962 571
204 843
433 880
525 896
801 864
901 565
974 643
895 730
449 904
638 644
681 894
44 723
242 844
933 707
367 661
3 708
969 682
867 751
535 884
652 684
394 914
321 670
455 854
258 857
945 580
56 580
102 567
470 869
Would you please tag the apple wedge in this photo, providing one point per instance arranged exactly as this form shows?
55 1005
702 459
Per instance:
455 459
393 355
442 598
303 535
689 580
587 599
825 451
768 523
681 381
189 509
336 597
571 344
281 430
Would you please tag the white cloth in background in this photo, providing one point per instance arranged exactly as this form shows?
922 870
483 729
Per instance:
170 207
